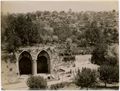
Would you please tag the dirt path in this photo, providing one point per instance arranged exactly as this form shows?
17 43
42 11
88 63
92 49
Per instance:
16 86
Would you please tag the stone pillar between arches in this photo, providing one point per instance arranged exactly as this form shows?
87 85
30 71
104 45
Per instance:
34 67
17 68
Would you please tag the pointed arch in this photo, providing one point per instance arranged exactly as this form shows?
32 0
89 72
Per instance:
25 63
43 62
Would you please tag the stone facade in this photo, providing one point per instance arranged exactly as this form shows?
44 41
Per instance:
35 52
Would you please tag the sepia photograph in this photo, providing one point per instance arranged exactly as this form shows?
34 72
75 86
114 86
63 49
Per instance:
60 45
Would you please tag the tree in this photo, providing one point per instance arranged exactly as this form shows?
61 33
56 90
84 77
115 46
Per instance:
26 29
108 74
3 27
112 55
13 41
68 44
13 44
98 54
105 54
85 78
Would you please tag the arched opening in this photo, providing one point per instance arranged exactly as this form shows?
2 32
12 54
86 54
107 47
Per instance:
43 62
25 63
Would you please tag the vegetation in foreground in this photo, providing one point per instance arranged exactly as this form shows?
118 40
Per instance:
86 78
36 82
109 74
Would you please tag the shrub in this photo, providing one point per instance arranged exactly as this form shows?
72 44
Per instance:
36 82
59 85
85 78
69 58
109 73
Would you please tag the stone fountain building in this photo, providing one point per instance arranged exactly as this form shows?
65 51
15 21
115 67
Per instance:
34 61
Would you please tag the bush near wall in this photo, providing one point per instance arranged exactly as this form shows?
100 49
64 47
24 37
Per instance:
36 82
85 78
59 85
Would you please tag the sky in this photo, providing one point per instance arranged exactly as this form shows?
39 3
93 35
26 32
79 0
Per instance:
32 6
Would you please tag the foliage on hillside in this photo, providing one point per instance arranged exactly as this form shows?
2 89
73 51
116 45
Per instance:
83 28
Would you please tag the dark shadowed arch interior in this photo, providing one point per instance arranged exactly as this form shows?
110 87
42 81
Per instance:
43 62
25 63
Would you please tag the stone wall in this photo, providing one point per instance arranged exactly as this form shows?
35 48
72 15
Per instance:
34 51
